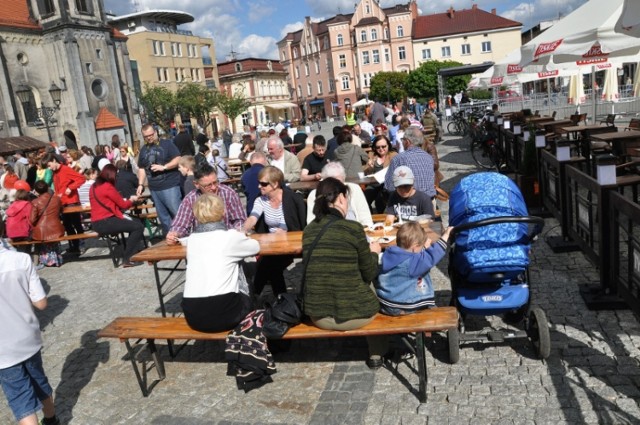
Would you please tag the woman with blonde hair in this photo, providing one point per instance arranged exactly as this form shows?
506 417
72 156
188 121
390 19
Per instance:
214 302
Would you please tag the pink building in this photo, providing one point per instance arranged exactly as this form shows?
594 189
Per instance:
330 63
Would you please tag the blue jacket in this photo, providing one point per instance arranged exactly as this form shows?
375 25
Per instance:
404 281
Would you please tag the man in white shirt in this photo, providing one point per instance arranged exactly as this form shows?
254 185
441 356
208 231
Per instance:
284 160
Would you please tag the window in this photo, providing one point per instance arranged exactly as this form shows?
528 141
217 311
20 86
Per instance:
163 74
84 6
340 40
88 67
194 75
376 55
426 54
345 82
325 43
365 58
304 51
386 33
332 86
178 75
98 53
374 34
238 67
156 47
161 48
309 91
299 90
486 46
306 69
46 7
309 50
367 8
195 51
297 71
366 80
319 87
99 89
400 31
284 55
402 54
245 118
342 60
363 35
30 110
174 49
466 49
446 52
317 63
387 56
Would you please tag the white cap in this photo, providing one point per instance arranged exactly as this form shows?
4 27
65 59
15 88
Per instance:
402 176
102 163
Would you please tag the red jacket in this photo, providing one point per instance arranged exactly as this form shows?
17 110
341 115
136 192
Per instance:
65 178
112 200
18 219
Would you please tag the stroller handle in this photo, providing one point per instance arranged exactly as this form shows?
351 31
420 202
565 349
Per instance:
536 221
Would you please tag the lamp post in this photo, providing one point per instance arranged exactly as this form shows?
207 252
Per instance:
45 112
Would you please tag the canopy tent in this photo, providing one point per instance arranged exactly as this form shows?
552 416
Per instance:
629 21
10 145
586 35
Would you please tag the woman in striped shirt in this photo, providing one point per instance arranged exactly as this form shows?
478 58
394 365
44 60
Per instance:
278 209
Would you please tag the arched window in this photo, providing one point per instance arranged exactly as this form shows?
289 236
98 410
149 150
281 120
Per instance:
340 40
374 34
400 31
295 52
386 33
363 35
238 67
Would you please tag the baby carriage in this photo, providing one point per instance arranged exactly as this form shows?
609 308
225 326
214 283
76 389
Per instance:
489 261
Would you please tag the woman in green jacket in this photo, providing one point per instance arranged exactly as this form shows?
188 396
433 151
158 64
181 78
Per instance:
337 292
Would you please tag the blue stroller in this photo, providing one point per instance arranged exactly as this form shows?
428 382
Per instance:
489 261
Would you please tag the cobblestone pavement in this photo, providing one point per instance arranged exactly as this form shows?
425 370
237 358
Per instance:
592 375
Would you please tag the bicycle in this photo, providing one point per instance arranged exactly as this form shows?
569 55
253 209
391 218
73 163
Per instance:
458 127
485 150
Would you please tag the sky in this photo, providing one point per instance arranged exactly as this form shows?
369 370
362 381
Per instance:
251 28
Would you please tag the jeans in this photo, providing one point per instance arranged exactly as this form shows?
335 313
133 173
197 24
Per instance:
121 225
167 202
25 385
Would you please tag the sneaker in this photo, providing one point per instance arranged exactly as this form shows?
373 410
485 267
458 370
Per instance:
130 264
374 362
55 422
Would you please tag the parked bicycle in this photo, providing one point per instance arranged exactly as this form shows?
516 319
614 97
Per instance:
485 150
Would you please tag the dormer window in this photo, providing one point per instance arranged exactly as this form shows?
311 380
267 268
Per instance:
46 7
367 8
269 66
238 67
84 6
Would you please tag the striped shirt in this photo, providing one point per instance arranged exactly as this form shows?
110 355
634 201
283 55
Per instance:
273 217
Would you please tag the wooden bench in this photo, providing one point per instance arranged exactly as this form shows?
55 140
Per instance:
170 328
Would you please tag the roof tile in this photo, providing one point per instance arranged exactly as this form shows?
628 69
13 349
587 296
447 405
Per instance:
15 13
106 120
459 22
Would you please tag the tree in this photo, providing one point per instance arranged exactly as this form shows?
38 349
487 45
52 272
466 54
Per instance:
232 105
196 101
159 105
388 86
423 81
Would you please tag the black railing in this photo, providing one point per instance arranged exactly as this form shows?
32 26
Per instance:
625 252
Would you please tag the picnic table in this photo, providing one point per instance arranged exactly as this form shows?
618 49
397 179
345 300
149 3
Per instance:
285 243
622 142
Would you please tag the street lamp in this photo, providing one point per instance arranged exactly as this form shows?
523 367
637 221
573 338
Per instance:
45 112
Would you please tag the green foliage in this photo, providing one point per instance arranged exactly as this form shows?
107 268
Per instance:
232 105
423 81
196 101
388 86
159 105
481 94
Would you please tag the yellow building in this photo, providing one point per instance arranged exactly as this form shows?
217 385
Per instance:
469 36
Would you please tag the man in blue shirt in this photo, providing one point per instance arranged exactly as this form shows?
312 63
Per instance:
419 161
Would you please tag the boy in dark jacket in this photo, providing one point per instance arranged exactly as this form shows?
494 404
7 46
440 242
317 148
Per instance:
404 285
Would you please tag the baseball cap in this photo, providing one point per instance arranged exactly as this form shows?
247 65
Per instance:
402 176
102 163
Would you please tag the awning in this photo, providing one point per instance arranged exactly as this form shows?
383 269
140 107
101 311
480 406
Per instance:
317 102
283 105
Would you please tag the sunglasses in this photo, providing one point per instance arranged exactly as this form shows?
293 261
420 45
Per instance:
382 147
264 184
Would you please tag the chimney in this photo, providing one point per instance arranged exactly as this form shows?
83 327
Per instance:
450 12
493 11
474 6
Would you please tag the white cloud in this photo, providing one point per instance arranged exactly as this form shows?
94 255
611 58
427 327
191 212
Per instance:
259 10
258 47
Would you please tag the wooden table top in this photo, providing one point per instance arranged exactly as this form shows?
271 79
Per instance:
590 127
313 184
550 125
617 135
534 120
287 243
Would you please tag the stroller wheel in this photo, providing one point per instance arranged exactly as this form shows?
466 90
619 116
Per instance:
538 331
453 338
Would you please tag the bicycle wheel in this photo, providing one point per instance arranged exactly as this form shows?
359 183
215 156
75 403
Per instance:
452 128
495 153
481 154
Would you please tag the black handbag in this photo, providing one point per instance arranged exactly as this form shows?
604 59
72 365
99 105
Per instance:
287 310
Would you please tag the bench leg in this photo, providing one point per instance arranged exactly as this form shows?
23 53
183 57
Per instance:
422 367
141 375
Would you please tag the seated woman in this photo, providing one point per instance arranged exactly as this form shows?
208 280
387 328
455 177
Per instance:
337 290
380 157
45 219
126 181
214 302
278 209
106 213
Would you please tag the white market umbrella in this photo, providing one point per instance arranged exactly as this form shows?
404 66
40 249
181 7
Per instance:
362 102
629 21
576 90
636 81
610 87
586 35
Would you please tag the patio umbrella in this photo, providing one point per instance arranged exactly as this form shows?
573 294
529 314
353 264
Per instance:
610 89
586 35
636 81
576 90
629 21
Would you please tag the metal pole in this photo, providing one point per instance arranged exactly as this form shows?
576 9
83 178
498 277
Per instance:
46 117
